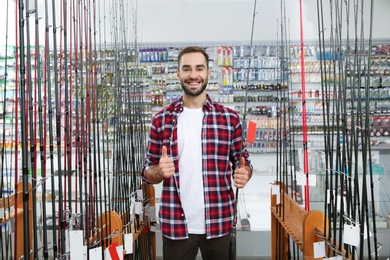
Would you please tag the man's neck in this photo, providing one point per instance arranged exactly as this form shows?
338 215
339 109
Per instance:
194 102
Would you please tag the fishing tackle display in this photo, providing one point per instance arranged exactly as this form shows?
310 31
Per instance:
346 117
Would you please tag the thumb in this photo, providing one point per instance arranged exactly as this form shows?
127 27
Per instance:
164 151
242 162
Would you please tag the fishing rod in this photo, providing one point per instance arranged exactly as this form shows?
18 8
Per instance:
77 24
279 177
42 137
97 120
336 106
106 140
89 92
135 119
233 243
363 130
356 85
61 222
289 136
284 117
128 144
304 118
16 113
84 118
367 123
50 124
4 240
24 141
352 141
348 130
326 108
30 120
366 150
67 124
47 84
74 143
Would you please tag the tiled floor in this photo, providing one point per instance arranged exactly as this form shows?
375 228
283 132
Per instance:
238 258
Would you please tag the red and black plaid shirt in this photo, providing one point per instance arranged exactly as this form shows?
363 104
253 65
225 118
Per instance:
221 143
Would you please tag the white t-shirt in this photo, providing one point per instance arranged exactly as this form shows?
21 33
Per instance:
189 130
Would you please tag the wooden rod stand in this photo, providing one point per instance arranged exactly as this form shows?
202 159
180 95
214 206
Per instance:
14 217
291 220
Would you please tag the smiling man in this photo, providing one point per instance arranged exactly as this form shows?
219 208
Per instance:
194 149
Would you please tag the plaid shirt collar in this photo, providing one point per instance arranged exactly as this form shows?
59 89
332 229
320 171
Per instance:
208 105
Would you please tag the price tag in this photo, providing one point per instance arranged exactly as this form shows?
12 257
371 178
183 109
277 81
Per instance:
351 235
76 244
319 249
128 243
94 253
2 213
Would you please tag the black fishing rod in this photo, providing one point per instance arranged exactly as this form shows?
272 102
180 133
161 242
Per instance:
356 95
106 139
131 115
4 240
31 127
67 124
352 133
91 118
325 109
78 80
84 110
110 73
280 177
57 101
116 85
233 242
367 124
284 117
47 86
366 153
340 113
334 124
49 100
355 87
364 136
288 135
98 121
24 136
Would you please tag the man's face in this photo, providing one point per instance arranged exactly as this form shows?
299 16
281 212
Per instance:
193 73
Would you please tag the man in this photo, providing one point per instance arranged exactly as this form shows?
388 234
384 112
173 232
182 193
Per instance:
194 149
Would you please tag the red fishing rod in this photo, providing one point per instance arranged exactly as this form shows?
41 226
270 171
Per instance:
304 119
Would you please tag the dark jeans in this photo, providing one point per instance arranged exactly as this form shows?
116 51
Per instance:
187 249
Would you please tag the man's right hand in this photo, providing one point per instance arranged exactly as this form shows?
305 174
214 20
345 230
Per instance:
164 170
166 165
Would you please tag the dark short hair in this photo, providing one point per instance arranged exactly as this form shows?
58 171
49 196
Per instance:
191 49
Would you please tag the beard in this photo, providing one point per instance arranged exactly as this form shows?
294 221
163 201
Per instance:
195 93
